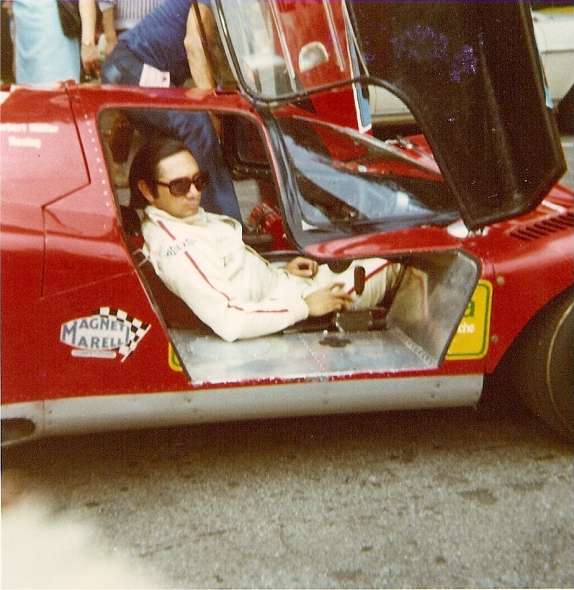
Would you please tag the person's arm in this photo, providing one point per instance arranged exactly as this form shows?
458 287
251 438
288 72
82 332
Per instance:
196 57
89 50
109 25
211 298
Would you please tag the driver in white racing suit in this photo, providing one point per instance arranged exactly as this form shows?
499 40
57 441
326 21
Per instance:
201 257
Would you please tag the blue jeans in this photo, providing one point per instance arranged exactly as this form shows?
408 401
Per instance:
193 128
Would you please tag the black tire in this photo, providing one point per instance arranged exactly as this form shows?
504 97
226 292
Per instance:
541 365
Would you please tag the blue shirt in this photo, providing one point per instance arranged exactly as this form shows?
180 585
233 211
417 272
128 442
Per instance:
158 39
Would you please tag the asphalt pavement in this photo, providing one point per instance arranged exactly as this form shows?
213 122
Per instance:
455 498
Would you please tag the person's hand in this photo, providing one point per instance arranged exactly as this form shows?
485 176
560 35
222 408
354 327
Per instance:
327 300
302 267
90 59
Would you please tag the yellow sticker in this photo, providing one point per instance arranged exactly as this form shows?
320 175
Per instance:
472 335
173 360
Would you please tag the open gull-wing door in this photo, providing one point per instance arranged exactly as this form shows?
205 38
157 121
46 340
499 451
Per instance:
469 72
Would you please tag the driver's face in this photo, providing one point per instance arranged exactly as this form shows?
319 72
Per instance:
179 165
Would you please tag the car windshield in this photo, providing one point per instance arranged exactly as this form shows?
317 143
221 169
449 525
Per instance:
347 179
288 46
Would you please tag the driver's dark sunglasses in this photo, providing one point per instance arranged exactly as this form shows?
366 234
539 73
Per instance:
179 187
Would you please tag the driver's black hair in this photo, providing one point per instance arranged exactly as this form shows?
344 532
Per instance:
145 163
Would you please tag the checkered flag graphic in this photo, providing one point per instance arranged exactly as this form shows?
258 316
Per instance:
138 329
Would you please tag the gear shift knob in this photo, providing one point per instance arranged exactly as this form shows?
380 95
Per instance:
359 278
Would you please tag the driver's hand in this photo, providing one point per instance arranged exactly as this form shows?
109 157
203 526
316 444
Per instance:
327 300
302 267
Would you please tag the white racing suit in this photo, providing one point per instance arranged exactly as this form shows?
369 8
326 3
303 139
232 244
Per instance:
232 289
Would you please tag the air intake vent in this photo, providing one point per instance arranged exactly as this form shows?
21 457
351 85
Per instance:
546 227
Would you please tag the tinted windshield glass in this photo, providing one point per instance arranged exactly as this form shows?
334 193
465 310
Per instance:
344 178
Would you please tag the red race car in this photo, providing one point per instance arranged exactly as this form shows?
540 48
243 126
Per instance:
93 340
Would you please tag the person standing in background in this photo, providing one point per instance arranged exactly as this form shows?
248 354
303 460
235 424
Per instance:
166 49
121 15
43 54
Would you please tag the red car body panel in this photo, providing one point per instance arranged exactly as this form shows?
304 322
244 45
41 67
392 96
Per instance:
64 255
